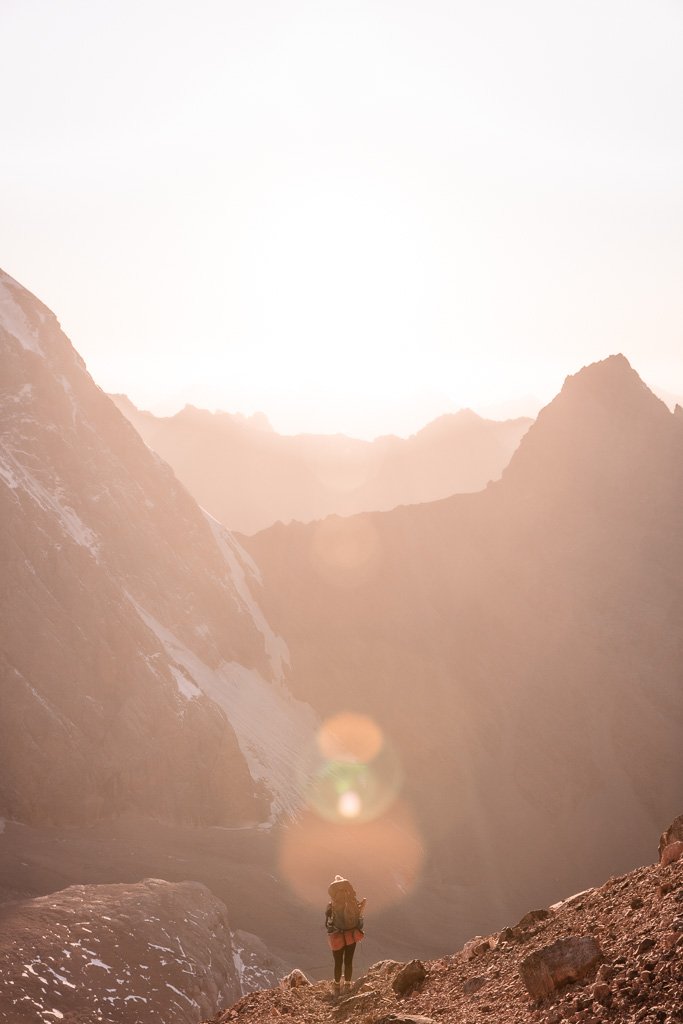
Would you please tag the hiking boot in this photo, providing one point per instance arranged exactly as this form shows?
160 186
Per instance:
336 989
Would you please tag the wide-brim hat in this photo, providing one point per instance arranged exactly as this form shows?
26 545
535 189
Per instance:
338 884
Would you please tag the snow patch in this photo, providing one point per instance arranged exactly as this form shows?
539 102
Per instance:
17 476
239 562
98 963
61 978
31 969
192 1002
185 685
274 730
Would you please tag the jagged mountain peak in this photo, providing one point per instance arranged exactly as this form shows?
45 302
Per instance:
604 424
613 382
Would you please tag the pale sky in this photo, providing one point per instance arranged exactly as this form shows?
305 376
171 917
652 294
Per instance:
349 215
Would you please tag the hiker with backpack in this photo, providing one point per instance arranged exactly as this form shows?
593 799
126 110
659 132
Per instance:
344 924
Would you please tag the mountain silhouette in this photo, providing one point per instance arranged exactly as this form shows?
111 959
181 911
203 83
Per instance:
249 477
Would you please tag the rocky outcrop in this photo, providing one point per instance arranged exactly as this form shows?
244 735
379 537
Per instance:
673 834
409 977
671 853
120 954
551 967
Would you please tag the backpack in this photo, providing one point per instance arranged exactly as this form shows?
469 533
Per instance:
345 911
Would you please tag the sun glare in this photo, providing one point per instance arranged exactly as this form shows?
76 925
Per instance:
349 804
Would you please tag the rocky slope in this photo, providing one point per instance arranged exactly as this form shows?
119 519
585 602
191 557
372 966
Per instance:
308 477
631 926
519 649
125 954
136 669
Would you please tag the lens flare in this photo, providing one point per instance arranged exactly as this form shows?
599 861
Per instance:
357 774
383 858
350 737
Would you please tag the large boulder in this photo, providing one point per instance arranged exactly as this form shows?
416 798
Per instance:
671 853
409 977
558 964
673 834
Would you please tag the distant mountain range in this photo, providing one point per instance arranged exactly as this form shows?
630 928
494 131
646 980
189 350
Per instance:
249 477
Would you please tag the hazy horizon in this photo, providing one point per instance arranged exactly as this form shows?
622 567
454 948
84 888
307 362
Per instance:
526 407
353 217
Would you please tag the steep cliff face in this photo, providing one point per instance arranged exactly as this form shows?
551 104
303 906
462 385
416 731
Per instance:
310 476
521 646
129 635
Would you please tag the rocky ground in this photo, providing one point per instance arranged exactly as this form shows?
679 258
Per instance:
634 976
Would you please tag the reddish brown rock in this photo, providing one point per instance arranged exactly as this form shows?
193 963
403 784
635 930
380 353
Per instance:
601 993
405 1018
672 834
476 947
295 979
671 853
530 919
409 977
472 985
564 961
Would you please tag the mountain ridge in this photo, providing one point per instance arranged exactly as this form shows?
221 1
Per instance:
305 477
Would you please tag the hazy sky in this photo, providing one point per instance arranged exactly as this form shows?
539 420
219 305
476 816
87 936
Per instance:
350 215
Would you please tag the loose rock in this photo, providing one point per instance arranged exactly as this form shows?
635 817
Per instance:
408 977
473 985
295 979
553 966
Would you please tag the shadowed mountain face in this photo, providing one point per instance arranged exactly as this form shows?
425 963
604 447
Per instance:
249 477
521 646
129 639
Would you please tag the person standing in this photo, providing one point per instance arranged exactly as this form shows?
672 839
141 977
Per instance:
344 924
